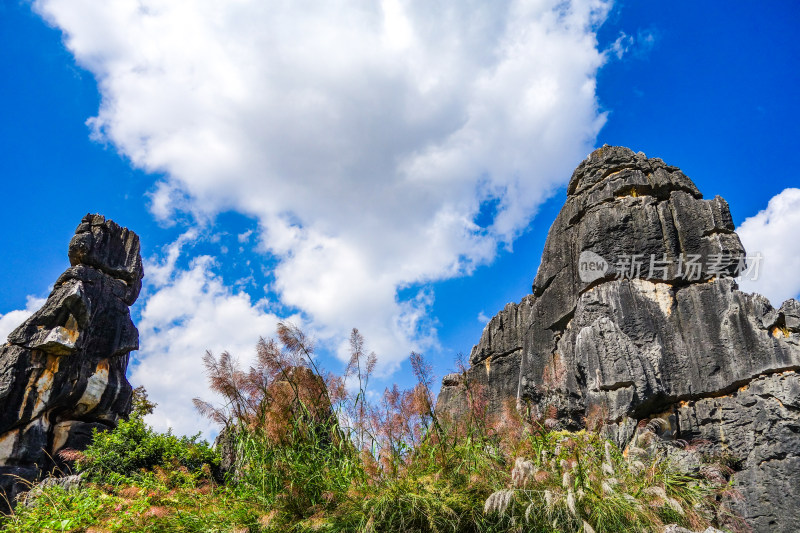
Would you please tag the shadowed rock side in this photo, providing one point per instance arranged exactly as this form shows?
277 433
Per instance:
62 372
678 341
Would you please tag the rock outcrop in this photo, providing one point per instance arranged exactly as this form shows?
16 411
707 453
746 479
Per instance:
635 314
62 372
495 363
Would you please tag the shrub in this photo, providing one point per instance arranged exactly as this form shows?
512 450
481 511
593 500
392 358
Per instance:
133 447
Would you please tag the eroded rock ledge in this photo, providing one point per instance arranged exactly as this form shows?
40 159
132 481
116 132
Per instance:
615 346
62 372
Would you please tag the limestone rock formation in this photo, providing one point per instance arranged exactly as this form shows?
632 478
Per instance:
635 314
62 372
495 362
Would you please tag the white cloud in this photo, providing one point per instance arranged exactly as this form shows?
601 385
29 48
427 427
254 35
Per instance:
187 312
621 46
11 320
363 135
773 233
638 46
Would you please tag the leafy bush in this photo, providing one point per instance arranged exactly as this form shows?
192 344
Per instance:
134 447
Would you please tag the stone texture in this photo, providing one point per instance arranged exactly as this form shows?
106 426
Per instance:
503 335
678 341
225 444
62 372
495 362
790 310
758 423
672 528
111 249
68 483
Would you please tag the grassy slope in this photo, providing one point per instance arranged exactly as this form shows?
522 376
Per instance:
393 467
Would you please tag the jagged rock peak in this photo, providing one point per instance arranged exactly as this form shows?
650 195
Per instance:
625 210
619 164
503 334
62 372
105 245
635 314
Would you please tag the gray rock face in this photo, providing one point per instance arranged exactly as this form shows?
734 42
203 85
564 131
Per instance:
635 315
677 529
759 423
495 363
504 333
62 372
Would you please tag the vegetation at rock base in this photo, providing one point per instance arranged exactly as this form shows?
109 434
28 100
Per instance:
134 448
309 451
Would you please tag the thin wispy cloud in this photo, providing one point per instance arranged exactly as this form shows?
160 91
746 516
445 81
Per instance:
638 45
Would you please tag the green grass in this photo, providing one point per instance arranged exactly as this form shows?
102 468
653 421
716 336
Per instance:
581 481
146 504
569 480
395 467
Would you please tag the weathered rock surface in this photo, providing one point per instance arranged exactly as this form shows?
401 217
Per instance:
677 529
635 315
758 423
495 363
62 372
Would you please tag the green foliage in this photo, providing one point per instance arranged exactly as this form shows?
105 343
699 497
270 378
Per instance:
134 447
59 510
331 461
141 405
301 478
427 495
153 503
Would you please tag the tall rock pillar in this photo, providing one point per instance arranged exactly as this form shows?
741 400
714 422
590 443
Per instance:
62 372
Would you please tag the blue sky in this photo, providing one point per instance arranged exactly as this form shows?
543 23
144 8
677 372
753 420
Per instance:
375 165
